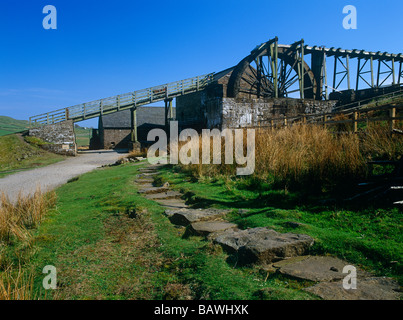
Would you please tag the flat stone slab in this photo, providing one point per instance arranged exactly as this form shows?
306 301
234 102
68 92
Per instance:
373 288
315 268
146 185
205 228
150 173
151 168
184 217
152 189
262 245
163 195
146 170
174 203
144 180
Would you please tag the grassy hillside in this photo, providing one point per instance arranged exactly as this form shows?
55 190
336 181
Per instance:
83 135
9 125
16 154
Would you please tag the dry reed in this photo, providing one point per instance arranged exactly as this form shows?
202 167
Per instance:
23 214
310 156
16 285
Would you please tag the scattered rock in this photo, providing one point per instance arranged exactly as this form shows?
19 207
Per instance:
205 228
150 173
152 190
120 161
147 170
184 217
262 245
373 288
164 195
144 180
315 268
174 203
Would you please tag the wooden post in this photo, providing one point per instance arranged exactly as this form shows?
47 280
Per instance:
355 122
272 125
168 109
285 121
133 115
171 112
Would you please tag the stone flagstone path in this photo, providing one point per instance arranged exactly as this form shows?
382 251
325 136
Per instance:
285 253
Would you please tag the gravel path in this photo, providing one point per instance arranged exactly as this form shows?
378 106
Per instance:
52 176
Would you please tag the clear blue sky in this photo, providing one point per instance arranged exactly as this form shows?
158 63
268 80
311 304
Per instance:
104 48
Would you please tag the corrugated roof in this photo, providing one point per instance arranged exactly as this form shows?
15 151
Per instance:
145 116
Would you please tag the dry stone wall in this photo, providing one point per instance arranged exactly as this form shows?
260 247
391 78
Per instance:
60 137
238 113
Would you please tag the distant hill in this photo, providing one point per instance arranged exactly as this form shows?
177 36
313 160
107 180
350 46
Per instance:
9 125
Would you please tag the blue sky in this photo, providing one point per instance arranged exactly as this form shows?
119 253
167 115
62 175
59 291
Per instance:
104 48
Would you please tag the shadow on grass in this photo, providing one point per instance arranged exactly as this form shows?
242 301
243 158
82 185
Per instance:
263 195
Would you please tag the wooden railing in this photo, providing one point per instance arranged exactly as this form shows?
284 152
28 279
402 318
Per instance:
120 102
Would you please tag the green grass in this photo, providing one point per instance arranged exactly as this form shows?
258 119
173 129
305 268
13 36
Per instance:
9 125
83 136
111 243
16 154
369 237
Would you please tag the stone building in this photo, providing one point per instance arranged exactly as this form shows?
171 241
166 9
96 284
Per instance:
212 108
114 130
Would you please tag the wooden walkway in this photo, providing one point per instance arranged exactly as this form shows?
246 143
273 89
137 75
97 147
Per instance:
120 102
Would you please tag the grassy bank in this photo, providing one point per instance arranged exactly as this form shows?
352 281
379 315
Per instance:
16 154
17 224
370 237
305 157
111 243
9 125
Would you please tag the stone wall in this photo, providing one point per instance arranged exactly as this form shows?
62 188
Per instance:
238 113
201 109
60 136
115 138
189 107
211 108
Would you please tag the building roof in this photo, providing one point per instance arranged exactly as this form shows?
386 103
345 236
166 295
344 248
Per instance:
145 116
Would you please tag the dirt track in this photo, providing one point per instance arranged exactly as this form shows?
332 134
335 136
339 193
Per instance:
52 176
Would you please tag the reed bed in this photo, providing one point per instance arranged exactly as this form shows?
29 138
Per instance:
307 156
16 218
